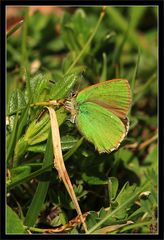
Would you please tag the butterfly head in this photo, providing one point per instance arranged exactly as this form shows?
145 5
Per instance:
71 106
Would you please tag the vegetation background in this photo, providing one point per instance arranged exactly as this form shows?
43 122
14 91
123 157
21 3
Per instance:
49 57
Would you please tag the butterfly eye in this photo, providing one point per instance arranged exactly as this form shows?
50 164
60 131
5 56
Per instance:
73 94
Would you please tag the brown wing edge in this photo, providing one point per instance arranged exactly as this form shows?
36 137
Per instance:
96 84
125 121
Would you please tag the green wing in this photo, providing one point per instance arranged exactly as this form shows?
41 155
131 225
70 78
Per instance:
100 126
114 95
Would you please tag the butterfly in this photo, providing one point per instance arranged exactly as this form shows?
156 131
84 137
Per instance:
100 113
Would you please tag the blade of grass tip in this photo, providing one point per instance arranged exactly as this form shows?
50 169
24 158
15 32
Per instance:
110 229
59 163
42 188
89 40
14 29
104 69
135 226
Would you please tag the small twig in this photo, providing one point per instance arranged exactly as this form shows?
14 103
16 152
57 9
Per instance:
142 145
75 221
47 103
68 226
132 146
147 142
59 163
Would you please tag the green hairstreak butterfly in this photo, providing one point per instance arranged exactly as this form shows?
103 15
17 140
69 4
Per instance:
100 113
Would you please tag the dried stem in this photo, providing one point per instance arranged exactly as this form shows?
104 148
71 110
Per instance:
59 163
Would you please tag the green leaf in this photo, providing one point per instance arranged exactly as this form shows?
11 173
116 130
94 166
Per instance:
16 102
74 31
116 211
36 133
63 86
19 172
67 142
73 149
39 86
22 122
20 149
37 148
14 223
92 219
112 188
15 182
94 180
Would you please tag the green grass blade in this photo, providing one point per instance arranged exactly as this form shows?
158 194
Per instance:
22 121
88 42
136 225
104 69
122 24
24 179
142 90
136 13
41 190
24 42
135 72
12 140
24 54
14 29
132 83
14 223
118 52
